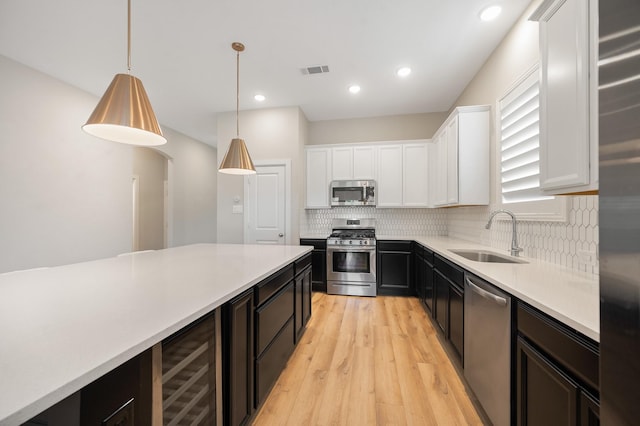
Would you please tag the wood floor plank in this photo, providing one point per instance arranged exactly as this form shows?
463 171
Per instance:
368 361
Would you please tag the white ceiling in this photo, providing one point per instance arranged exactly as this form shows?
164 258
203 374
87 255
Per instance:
181 50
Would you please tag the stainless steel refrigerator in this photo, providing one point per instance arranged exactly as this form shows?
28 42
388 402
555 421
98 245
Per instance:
619 194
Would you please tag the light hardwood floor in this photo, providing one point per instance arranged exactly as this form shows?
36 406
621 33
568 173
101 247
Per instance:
368 361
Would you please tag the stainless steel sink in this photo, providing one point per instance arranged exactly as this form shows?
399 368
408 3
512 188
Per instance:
486 256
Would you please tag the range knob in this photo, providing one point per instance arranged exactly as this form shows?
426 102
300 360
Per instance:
350 242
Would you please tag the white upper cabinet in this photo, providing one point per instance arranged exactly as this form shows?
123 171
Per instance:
342 163
415 169
364 162
353 162
400 169
462 151
389 183
318 178
568 96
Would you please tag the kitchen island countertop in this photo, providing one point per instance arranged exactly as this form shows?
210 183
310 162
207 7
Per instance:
63 327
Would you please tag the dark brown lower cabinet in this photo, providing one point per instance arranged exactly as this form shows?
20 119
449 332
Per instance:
319 261
302 301
394 268
441 301
238 359
556 373
456 320
546 396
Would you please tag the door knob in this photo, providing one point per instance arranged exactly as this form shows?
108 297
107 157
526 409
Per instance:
281 235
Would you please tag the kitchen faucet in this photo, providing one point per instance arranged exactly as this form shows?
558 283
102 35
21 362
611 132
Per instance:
515 250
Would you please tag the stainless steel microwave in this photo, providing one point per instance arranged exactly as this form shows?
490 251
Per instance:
353 193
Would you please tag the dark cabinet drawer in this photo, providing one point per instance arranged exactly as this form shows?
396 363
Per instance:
395 245
272 316
449 270
302 263
269 286
271 363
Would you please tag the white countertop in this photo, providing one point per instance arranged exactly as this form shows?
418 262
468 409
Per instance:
63 327
570 296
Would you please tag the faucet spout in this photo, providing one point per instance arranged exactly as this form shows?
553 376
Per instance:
515 250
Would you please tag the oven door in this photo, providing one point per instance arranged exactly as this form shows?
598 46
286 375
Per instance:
352 264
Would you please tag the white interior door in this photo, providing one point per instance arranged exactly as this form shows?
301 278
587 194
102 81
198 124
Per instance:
266 193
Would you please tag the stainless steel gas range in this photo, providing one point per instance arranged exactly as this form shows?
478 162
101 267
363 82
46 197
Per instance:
351 258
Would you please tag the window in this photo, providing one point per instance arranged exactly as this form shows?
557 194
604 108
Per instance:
518 139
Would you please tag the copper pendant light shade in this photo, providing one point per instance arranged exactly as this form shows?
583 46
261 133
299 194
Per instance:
124 113
237 160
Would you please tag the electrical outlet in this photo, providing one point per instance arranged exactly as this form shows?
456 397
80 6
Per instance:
587 257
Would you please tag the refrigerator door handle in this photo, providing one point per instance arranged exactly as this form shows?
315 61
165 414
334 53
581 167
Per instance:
486 294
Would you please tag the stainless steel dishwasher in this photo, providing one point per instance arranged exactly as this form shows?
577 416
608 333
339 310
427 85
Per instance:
487 347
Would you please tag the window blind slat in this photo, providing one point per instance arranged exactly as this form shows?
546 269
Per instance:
520 143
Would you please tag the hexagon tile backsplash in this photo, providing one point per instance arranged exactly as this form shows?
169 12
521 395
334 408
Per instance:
573 244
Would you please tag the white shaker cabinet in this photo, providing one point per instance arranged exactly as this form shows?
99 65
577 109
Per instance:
353 162
415 189
568 96
318 179
390 174
342 163
364 162
462 151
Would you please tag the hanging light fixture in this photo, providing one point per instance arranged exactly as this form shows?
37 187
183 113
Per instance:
237 160
124 113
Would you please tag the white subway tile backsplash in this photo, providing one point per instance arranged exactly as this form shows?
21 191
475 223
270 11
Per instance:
555 242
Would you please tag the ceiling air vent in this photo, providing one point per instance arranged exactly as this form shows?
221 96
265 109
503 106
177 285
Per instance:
316 69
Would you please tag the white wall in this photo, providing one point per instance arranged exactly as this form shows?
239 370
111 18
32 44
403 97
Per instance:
193 185
373 129
65 195
270 134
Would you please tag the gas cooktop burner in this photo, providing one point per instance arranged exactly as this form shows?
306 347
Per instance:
347 234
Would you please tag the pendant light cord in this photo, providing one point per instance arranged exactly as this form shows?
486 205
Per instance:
238 94
129 36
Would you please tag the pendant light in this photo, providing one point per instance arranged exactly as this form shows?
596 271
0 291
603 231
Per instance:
124 113
237 160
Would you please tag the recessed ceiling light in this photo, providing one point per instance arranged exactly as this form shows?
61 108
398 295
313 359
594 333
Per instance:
354 88
403 72
259 97
490 13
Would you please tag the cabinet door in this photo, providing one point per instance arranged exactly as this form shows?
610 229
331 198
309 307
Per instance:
302 301
418 276
564 96
452 161
441 302
428 287
364 162
545 395
306 297
416 175
440 198
389 176
456 320
589 410
395 270
318 177
342 163
238 359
